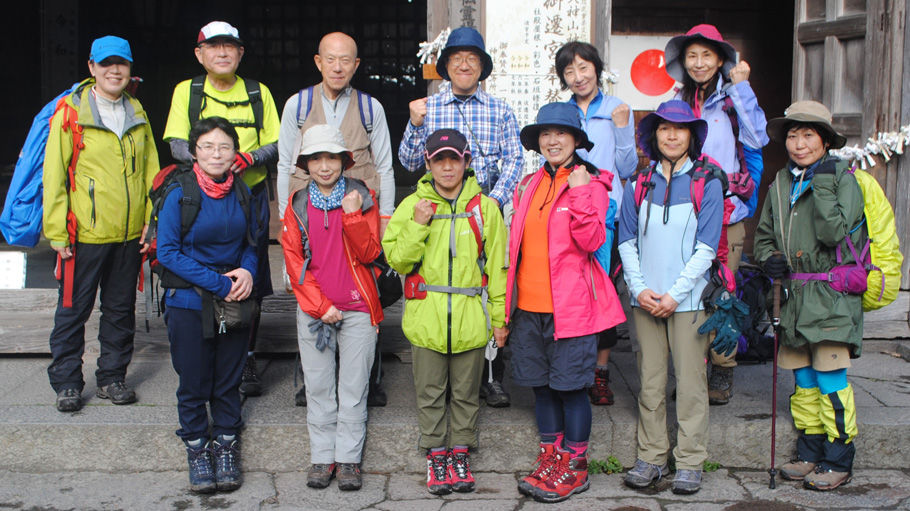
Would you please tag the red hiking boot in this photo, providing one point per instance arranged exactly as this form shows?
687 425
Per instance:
460 471
600 393
568 477
438 482
546 460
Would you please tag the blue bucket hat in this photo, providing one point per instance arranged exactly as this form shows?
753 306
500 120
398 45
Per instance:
675 111
464 38
110 46
563 115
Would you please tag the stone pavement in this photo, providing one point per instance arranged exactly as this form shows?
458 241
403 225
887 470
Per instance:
723 490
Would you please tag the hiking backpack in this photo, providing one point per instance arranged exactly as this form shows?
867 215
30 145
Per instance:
756 342
183 176
23 210
198 97
387 280
704 168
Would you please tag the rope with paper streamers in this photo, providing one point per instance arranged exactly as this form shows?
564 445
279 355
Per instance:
886 144
430 49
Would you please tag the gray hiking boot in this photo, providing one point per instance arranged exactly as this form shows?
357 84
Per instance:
69 400
643 474
118 392
720 385
686 481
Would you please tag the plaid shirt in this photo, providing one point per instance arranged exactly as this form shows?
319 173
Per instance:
491 123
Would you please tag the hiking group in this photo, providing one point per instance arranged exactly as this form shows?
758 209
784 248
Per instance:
489 258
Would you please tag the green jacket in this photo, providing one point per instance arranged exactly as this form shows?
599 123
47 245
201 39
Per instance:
808 234
447 322
112 176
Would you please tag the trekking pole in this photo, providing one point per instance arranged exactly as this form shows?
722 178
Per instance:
775 321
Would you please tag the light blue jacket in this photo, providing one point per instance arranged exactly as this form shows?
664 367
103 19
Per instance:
720 144
614 148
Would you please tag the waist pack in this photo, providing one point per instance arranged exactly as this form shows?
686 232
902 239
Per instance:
234 315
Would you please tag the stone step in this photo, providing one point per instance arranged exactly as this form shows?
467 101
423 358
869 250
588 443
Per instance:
104 437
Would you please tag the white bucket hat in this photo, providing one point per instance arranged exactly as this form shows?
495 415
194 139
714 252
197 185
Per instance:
323 138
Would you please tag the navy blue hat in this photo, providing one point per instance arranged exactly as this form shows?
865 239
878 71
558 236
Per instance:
562 115
464 38
675 111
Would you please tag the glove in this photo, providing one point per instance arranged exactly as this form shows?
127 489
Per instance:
776 266
728 319
243 161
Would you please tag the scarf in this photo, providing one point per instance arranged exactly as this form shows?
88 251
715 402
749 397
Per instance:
212 188
320 201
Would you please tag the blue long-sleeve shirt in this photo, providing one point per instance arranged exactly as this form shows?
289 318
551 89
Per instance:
614 148
217 239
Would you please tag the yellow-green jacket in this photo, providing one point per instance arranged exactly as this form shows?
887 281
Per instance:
112 176
447 322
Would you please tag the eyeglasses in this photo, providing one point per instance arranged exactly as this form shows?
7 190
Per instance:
472 60
212 148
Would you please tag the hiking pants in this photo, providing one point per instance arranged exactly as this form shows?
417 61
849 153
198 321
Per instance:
436 372
337 428
660 339
262 286
114 267
209 372
736 235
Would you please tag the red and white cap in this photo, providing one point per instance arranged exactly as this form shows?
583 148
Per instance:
218 29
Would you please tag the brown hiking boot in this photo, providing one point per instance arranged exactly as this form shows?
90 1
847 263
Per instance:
320 474
349 478
600 393
824 480
720 385
796 470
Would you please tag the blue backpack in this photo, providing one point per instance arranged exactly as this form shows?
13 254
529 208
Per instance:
23 210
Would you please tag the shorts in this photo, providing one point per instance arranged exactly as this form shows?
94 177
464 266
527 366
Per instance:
538 360
822 356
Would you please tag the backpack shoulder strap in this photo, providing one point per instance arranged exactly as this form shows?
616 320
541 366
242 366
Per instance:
730 110
70 123
194 109
643 183
299 203
244 198
365 102
254 93
522 186
699 175
191 201
475 208
305 106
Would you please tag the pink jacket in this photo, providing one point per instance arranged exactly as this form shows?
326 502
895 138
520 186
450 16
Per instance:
584 299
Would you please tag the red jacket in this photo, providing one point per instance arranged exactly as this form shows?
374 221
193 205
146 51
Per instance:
361 246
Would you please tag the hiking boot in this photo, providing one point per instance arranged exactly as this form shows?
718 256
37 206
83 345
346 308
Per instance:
250 384
720 385
568 477
460 471
349 477
376 396
438 482
600 393
202 467
546 460
69 400
643 474
300 396
227 463
118 392
320 474
796 470
825 479
686 481
495 395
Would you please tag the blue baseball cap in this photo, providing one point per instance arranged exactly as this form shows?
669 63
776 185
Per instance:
110 46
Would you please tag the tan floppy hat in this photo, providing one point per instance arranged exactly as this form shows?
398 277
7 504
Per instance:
805 111
323 138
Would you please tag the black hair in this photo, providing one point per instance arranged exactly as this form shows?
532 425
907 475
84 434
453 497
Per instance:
208 125
567 54
823 131
694 150
689 87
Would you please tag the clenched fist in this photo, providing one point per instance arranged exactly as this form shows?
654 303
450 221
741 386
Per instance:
423 211
418 110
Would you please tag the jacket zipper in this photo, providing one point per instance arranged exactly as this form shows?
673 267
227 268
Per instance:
449 295
126 184
91 195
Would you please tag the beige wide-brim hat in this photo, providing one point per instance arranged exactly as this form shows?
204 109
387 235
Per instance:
323 138
806 111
